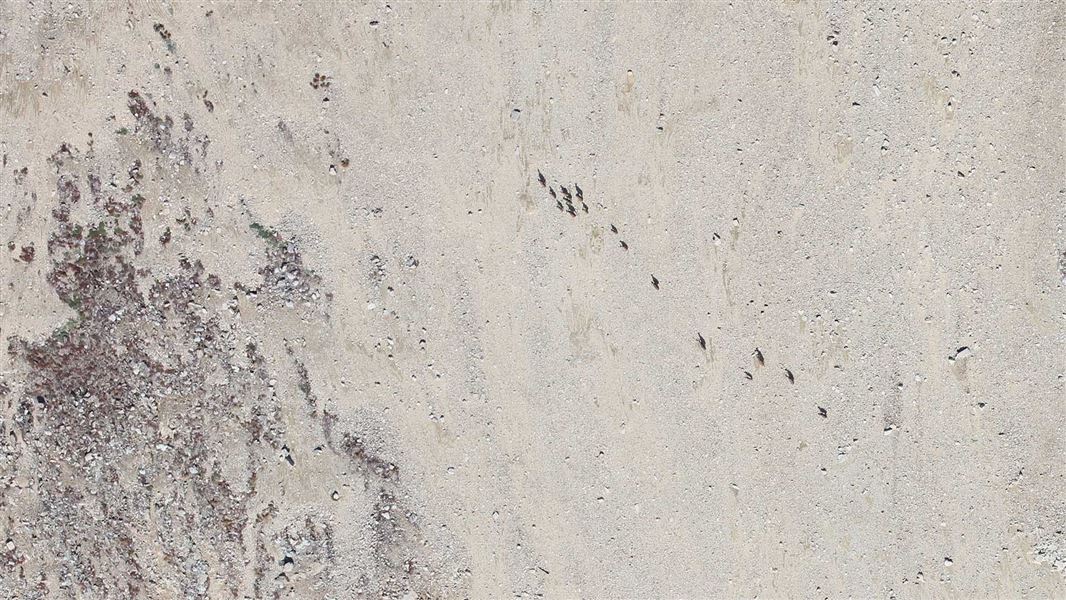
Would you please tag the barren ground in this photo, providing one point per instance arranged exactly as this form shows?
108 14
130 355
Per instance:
287 313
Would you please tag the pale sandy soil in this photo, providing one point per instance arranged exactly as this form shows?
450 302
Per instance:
287 314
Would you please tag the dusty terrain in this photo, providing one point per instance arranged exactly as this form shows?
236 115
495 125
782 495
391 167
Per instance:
287 313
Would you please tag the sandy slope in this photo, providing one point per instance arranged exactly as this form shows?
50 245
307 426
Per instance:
287 312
